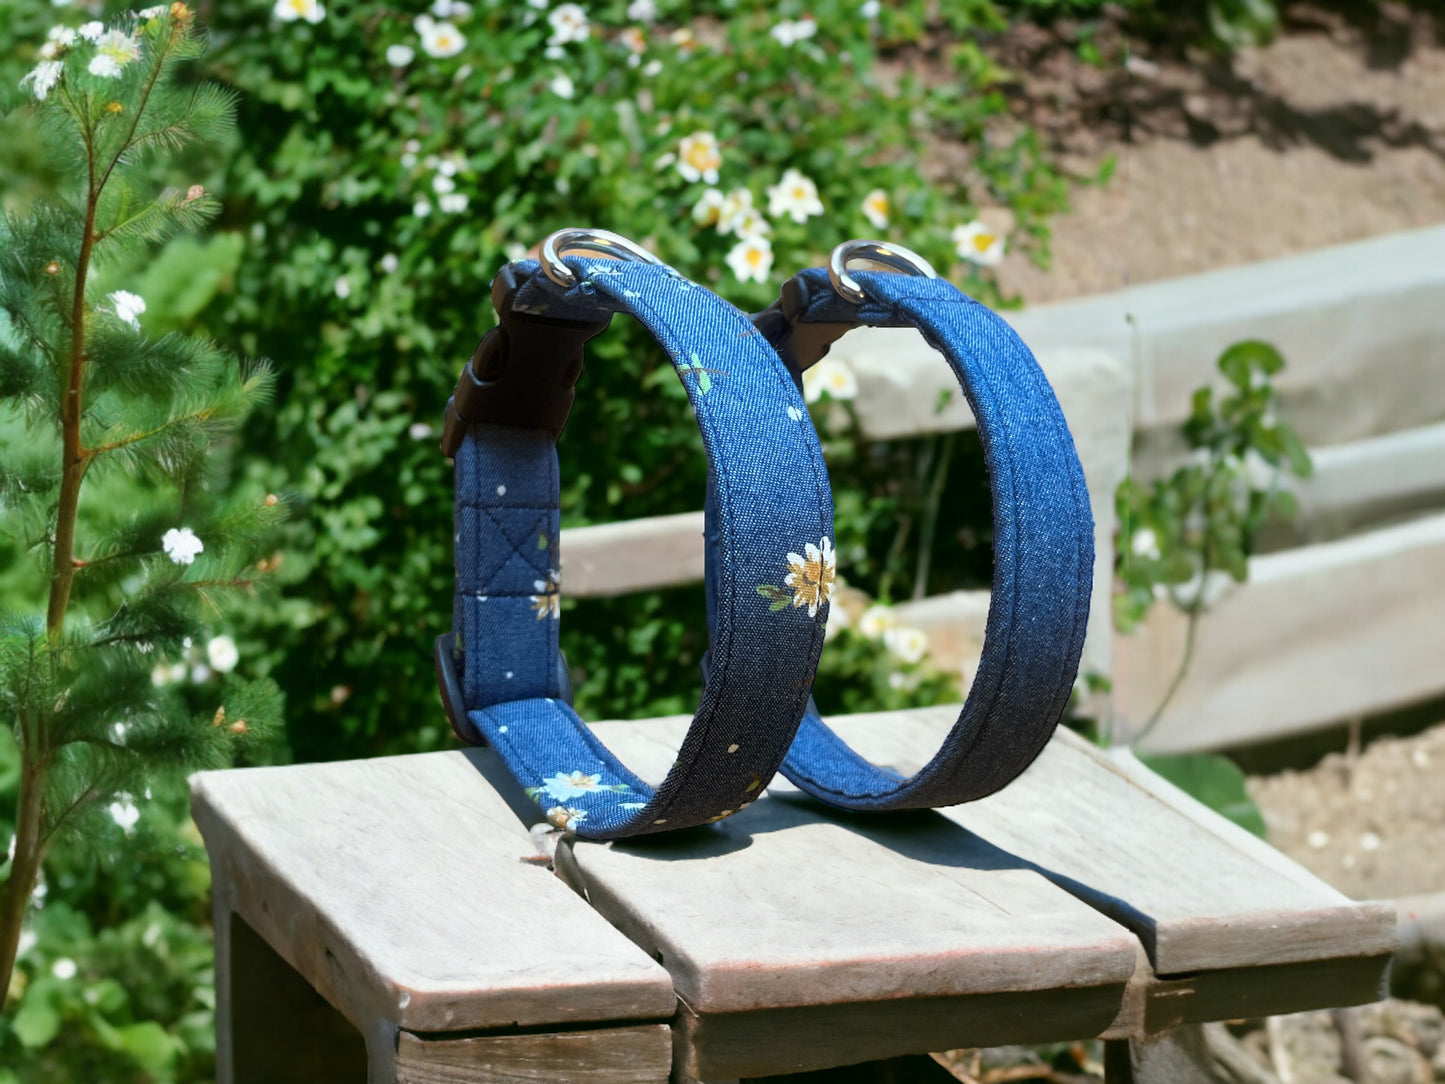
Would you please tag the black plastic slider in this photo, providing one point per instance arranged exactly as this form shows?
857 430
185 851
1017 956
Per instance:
524 372
800 345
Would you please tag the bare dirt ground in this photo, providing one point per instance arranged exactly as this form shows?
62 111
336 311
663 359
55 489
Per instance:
1373 825
1334 132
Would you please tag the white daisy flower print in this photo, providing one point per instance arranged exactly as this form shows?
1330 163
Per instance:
566 785
812 575
547 602
565 817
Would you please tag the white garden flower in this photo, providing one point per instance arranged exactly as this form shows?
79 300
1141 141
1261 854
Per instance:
288 11
698 157
569 24
735 205
750 223
877 620
909 644
439 39
876 207
399 56
644 11
168 674
789 32
113 51
450 9
838 620
64 968
181 545
442 183
156 12
221 653
832 375
562 85
651 68
63 36
127 306
751 259
978 243
342 288
1145 543
707 211
515 251
795 196
390 262
870 9
421 208
43 77
635 40
124 812
91 31
453 202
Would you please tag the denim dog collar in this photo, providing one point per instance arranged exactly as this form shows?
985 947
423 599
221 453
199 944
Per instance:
501 673
1043 532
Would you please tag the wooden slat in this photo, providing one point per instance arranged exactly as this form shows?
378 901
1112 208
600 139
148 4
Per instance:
633 555
1370 478
635 1055
1317 635
1202 894
400 888
1362 327
787 926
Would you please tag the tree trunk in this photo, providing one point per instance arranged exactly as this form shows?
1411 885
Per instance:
15 896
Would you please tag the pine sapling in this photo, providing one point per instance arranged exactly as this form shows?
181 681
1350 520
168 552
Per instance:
109 484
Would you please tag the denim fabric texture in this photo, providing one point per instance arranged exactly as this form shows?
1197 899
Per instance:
772 564
1043 558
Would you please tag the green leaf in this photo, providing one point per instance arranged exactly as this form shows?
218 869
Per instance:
149 1045
37 1022
1239 361
1214 780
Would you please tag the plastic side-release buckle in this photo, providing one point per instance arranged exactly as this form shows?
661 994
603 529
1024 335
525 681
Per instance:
800 345
523 373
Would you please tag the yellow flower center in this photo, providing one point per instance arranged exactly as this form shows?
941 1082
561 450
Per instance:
754 257
982 242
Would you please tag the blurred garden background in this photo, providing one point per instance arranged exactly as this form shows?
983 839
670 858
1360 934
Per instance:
385 161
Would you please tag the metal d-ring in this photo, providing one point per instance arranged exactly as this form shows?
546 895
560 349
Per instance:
884 252
603 242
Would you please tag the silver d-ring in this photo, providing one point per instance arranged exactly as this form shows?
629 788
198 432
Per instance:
884 252
603 242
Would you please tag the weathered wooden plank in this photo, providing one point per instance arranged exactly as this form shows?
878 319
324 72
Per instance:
789 904
1365 479
330 863
1362 326
1317 635
1199 892
633 555
634 1055
777 1041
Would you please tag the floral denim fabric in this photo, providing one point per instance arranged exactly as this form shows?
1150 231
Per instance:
1043 557
773 507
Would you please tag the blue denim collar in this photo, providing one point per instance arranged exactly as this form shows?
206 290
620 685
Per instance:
1043 544
770 560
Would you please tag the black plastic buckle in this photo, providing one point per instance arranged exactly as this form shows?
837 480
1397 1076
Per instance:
800 345
524 372
449 687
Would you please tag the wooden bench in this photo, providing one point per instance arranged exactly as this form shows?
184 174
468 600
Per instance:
410 919
401 918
